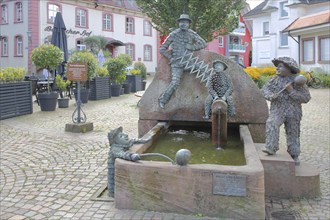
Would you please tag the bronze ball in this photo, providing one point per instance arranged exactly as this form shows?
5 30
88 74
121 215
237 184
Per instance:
300 80
182 157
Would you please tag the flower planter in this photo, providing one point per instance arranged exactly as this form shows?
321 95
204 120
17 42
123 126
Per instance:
48 101
116 89
136 82
99 88
127 87
15 99
83 95
63 102
144 84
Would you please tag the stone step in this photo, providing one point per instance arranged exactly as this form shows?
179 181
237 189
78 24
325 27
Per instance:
285 180
308 180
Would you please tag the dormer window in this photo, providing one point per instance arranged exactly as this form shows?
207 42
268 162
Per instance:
265 28
283 10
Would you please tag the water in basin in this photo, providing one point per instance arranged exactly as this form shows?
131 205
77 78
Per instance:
201 147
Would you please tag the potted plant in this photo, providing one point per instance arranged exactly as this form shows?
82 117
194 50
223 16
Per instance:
126 85
116 68
15 94
99 86
47 57
143 71
91 61
62 85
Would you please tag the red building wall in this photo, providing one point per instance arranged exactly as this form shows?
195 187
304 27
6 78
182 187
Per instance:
214 45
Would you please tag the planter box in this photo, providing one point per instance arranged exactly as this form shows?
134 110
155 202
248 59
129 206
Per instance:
136 82
127 87
99 88
84 93
116 90
15 99
144 84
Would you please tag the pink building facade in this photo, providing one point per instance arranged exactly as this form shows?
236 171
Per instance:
235 45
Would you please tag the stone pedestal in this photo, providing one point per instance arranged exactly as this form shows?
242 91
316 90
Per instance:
186 104
285 180
79 128
228 192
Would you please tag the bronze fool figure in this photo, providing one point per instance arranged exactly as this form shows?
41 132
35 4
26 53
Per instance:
286 96
180 40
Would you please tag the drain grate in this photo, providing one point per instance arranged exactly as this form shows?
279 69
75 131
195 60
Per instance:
102 195
285 215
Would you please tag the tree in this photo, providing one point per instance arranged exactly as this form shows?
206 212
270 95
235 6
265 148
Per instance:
210 18
47 57
96 43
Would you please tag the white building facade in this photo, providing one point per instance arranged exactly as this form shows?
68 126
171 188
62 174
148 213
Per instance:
269 21
25 25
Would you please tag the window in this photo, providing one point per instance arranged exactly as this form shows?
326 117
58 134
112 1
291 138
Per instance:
147 28
147 53
81 18
80 45
283 9
52 10
107 22
18 46
130 50
308 50
324 49
4 14
220 41
129 25
265 28
4 47
19 12
284 41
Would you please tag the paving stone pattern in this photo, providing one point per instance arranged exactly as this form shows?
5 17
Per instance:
47 173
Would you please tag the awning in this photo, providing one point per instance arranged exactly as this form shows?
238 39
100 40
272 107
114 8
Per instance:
311 22
115 42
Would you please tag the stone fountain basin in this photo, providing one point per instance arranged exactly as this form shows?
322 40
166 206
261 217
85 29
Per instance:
236 192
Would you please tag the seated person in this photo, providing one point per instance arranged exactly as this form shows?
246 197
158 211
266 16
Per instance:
219 86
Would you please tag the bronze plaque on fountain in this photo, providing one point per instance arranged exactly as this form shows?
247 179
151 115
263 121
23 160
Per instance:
229 184
77 71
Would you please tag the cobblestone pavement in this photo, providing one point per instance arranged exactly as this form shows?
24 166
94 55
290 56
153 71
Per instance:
47 173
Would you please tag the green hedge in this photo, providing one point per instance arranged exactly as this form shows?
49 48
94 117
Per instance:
12 74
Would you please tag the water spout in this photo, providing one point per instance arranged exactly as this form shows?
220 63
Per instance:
219 130
157 154
182 157
219 123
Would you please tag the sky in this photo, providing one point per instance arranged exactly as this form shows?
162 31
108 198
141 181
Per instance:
253 3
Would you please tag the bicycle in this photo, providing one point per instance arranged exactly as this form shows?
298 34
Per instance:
313 81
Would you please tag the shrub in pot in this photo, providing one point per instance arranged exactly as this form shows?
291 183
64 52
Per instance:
126 59
116 68
99 86
47 57
62 85
91 61
143 71
135 78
